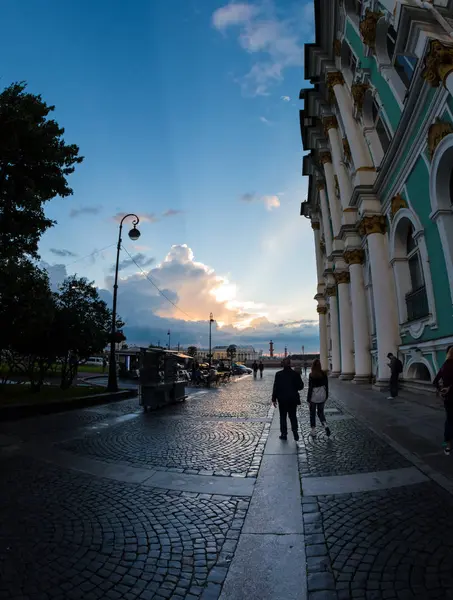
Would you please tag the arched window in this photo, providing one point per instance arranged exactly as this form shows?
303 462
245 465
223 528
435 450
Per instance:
348 63
413 258
354 9
391 42
380 126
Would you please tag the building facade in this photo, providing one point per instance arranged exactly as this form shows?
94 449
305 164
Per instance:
243 353
378 127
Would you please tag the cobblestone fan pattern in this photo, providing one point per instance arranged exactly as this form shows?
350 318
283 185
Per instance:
68 536
394 544
350 449
189 446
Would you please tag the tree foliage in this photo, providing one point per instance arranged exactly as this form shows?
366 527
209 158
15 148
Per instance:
231 351
192 351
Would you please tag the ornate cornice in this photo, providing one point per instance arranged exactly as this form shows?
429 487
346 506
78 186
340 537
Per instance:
438 63
368 27
322 310
356 256
337 47
358 91
396 204
331 290
436 133
330 123
372 224
342 277
325 157
315 225
320 185
346 149
334 78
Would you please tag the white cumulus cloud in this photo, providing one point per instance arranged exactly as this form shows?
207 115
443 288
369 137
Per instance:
285 98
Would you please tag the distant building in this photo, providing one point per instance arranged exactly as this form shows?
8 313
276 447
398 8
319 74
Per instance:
243 353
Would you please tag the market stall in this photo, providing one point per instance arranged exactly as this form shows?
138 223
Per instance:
160 382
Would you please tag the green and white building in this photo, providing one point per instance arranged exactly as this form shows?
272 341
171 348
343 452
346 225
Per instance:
377 124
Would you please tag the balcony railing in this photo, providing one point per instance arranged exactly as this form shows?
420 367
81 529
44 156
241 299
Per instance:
417 304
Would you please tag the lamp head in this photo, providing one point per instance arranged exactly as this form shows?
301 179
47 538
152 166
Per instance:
134 234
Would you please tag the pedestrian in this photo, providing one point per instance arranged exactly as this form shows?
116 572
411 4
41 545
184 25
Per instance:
104 363
396 368
318 392
255 368
287 385
305 368
445 390
261 368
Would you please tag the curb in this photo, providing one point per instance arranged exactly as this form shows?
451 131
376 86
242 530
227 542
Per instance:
13 413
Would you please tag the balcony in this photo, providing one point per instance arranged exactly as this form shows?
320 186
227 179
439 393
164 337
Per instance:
417 304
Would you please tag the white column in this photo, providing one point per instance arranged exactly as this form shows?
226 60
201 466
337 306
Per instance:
335 208
334 330
344 181
319 261
355 258
346 331
322 312
384 297
325 218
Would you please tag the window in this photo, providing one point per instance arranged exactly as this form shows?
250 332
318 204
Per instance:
405 66
380 126
351 61
413 259
391 42
416 299
451 187
358 7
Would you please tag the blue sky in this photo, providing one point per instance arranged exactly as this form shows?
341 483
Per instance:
186 112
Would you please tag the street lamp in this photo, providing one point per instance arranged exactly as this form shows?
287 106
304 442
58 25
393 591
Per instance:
134 234
211 321
169 338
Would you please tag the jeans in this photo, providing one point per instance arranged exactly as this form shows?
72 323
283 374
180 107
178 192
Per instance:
291 411
448 431
394 385
317 407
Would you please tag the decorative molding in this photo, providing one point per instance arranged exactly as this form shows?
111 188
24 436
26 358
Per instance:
322 245
396 204
337 47
366 169
325 157
330 123
372 224
358 91
368 26
322 310
436 133
337 186
438 63
331 290
342 277
315 225
356 256
347 150
320 185
334 78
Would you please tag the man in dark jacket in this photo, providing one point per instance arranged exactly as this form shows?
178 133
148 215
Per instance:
396 367
287 385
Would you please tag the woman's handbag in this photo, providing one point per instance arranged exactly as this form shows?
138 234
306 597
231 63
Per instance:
319 394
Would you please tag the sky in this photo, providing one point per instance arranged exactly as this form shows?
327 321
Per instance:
186 112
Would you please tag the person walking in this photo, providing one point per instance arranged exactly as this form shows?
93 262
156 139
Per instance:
396 368
261 368
318 392
255 369
445 390
305 368
287 385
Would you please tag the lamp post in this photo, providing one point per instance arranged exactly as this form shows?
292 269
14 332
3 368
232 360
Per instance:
169 339
134 234
211 321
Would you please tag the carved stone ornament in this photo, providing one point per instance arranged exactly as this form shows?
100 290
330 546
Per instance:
319 185
358 91
334 78
322 245
346 150
342 277
396 204
436 133
315 225
438 63
330 123
372 224
337 186
337 48
325 157
368 27
331 290
322 310
356 256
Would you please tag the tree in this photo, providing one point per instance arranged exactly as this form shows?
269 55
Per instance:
34 164
231 352
192 351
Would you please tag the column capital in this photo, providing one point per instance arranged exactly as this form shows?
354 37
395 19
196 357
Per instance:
325 157
372 224
358 91
346 149
436 133
334 78
330 122
342 277
320 185
316 225
355 256
322 310
331 290
368 26
396 204
438 63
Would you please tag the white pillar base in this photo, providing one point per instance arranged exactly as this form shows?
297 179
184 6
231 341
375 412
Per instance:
334 374
361 379
382 385
347 376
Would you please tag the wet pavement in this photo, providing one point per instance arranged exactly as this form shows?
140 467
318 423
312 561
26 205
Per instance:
201 500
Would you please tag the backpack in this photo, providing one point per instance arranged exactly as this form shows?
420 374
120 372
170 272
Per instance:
399 366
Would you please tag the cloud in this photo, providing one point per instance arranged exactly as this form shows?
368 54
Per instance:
266 121
62 252
138 259
144 217
85 210
270 202
285 98
275 40
172 212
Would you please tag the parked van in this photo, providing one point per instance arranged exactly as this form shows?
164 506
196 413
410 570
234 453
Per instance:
95 360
